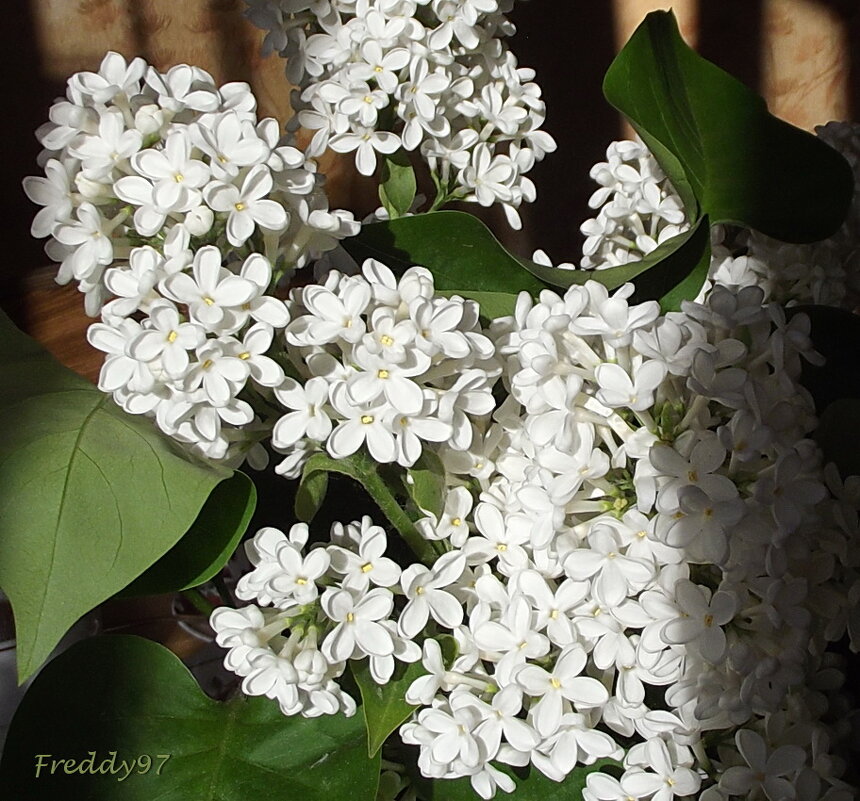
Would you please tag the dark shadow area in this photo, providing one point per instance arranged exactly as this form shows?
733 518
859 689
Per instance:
29 94
730 35
570 47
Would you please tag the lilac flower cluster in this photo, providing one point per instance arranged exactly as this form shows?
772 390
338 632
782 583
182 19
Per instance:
432 77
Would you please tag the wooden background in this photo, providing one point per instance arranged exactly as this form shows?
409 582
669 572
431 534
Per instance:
797 53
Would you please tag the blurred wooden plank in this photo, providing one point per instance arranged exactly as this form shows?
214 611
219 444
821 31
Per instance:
805 62
212 34
56 319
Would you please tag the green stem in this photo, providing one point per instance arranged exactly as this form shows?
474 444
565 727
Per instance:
385 500
361 468
223 591
198 601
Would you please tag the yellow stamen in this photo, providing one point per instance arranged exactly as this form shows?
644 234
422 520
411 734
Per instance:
350 617
456 522
709 620
367 419
208 301
382 374
366 568
386 340
171 337
301 581
556 684
245 356
240 207
207 364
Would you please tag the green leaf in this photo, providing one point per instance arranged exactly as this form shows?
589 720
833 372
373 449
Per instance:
397 189
208 544
717 142
90 496
672 272
535 787
425 483
310 495
464 257
493 304
132 697
384 706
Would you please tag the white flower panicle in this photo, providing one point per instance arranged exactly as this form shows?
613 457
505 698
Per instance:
433 77
385 364
639 543
639 209
178 212
133 157
320 611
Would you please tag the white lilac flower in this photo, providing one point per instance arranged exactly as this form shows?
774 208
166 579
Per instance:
358 631
212 293
425 590
764 770
167 338
367 566
247 205
310 418
560 687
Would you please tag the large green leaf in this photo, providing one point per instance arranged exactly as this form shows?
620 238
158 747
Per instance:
131 697
208 544
672 272
534 787
718 143
458 249
384 705
466 259
90 496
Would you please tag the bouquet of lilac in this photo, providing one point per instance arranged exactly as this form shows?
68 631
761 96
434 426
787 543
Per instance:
611 543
